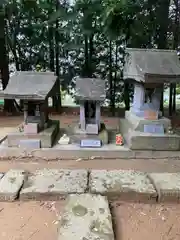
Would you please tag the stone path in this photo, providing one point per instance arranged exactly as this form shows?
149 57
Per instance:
54 184
86 217
86 214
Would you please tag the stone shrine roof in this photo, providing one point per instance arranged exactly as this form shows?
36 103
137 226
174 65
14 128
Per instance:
152 65
29 85
90 89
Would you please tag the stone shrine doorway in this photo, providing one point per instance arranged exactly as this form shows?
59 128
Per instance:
90 111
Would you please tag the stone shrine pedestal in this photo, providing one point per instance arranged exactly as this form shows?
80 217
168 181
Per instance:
138 133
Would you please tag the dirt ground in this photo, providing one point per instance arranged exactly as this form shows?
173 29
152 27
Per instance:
141 221
29 220
38 220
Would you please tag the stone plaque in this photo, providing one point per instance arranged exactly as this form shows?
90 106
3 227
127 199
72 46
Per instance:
93 143
154 128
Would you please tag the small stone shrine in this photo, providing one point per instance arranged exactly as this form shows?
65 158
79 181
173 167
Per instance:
144 127
90 93
33 88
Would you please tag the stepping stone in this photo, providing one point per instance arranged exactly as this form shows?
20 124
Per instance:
11 184
123 185
86 217
53 184
167 186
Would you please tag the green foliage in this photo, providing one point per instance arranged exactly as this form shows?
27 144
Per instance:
85 30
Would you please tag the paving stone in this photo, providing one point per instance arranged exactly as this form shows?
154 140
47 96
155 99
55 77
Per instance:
11 184
53 184
121 184
167 185
86 217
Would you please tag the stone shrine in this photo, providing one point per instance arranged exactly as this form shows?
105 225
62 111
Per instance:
144 126
33 88
90 93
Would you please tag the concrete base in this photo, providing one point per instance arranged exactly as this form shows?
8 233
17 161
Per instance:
47 136
78 135
74 152
137 140
137 123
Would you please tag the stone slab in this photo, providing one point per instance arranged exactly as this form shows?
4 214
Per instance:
46 136
124 185
158 142
54 184
30 143
11 184
92 128
137 140
139 122
90 143
31 128
167 186
103 135
86 217
154 128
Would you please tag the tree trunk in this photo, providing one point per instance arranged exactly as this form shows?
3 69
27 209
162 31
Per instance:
4 67
51 52
175 46
91 52
58 101
110 77
163 20
85 70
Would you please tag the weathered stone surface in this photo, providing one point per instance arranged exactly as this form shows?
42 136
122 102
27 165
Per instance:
46 136
127 185
11 184
30 143
54 184
92 128
167 185
31 128
86 217
103 136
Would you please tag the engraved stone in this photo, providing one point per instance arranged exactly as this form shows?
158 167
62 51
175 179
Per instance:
87 143
154 128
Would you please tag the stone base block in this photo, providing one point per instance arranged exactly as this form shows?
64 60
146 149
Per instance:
54 184
31 128
46 136
10 184
122 185
103 135
137 140
30 143
92 129
137 123
86 217
167 186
